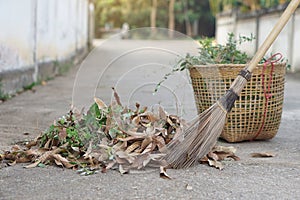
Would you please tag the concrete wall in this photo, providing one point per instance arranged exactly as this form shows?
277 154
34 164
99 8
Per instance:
37 35
260 24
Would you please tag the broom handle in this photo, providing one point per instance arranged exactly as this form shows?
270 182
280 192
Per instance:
273 34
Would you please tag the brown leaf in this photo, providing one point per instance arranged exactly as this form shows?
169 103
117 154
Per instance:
12 163
2 157
136 120
223 152
121 160
109 165
117 98
130 138
133 146
45 157
58 158
23 160
31 144
15 148
188 187
160 141
223 156
140 161
149 148
122 170
204 159
216 164
47 145
101 105
163 173
262 155
33 164
89 150
62 134
213 156
229 149
162 113
146 142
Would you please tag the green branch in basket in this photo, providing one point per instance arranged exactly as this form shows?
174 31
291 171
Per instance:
212 53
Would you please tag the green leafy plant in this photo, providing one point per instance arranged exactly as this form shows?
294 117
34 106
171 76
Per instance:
75 132
3 96
211 53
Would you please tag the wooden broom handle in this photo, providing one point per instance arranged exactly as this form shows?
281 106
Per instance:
273 34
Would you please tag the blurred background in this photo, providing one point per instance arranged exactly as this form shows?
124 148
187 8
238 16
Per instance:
43 38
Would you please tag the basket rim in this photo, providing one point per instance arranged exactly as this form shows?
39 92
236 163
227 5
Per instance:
234 65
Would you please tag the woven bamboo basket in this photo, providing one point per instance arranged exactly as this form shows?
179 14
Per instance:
253 117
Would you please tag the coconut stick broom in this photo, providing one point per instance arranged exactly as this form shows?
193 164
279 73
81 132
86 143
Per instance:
201 136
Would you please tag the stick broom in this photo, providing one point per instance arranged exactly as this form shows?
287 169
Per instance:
201 136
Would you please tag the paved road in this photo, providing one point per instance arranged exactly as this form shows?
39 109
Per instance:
128 65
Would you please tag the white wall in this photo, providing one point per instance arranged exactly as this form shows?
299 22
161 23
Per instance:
260 26
296 38
16 34
245 28
50 30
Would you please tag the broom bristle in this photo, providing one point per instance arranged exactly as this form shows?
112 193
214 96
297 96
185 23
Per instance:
199 138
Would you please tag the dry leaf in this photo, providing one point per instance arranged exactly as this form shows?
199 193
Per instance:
47 145
262 155
162 113
23 160
160 142
216 164
64 162
33 164
43 83
44 157
16 148
109 165
122 170
229 149
146 142
163 173
117 98
62 134
139 161
2 157
188 187
101 105
12 163
213 156
31 144
89 150
133 146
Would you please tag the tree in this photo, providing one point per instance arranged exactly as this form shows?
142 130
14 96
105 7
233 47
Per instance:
153 13
171 24
187 16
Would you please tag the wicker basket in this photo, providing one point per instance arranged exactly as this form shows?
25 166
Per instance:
250 118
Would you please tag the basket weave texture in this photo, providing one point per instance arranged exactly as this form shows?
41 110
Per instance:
250 118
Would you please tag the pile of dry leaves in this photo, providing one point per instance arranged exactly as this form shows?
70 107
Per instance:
108 137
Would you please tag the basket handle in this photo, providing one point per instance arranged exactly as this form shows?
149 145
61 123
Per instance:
273 34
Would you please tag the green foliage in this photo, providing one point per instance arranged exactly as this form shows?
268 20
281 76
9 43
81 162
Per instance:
76 132
3 95
224 54
30 86
211 53
137 13
218 6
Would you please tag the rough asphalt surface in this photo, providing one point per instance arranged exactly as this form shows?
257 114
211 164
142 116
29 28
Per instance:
250 178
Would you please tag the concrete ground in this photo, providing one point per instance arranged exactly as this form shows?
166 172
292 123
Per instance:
134 67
